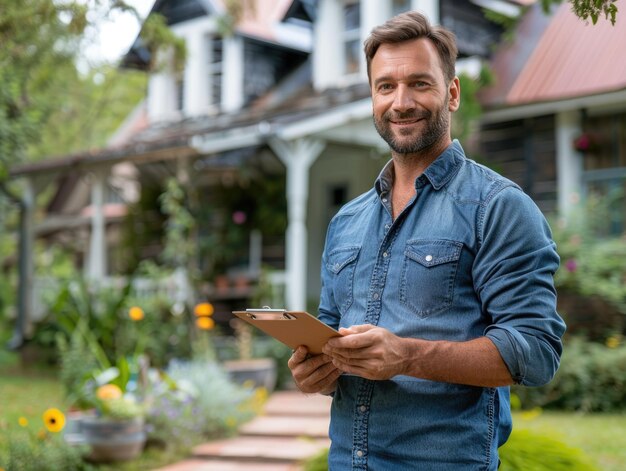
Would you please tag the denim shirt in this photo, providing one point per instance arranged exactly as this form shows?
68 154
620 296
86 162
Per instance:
471 255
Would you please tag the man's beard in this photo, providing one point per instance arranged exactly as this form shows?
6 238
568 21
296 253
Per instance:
437 125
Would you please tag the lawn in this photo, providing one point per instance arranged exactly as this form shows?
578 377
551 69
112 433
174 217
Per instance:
601 436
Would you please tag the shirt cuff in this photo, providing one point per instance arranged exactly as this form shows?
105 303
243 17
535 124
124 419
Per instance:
513 348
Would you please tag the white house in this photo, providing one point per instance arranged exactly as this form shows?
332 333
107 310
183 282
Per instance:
286 90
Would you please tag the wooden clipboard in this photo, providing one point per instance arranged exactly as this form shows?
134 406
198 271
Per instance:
293 328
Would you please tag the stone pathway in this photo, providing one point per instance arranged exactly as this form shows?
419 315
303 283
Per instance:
293 427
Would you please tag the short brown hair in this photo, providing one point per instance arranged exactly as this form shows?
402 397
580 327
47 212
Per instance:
413 25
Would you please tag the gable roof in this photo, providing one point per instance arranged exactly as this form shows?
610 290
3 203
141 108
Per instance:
557 59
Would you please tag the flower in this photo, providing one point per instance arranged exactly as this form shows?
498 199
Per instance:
571 265
204 309
136 313
23 421
239 217
613 341
54 420
108 391
205 323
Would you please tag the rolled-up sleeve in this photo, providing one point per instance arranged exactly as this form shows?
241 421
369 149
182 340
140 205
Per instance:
513 275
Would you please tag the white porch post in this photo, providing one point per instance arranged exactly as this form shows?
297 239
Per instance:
27 249
298 156
568 162
96 266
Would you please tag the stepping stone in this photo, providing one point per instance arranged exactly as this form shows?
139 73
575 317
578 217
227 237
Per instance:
262 449
233 465
287 426
295 403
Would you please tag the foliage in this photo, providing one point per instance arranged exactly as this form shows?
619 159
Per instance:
525 450
215 405
179 246
530 450
592 377
586 9
466 118
45 449
591 265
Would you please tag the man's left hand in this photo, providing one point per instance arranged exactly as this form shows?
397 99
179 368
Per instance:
368 351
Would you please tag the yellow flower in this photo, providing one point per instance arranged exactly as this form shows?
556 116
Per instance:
613 341
41 434
108 391
23 421
136 313
205 323
54 420
204 309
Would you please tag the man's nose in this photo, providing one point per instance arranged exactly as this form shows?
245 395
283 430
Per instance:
403 99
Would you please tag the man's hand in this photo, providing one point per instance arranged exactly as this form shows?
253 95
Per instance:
368 351
315 374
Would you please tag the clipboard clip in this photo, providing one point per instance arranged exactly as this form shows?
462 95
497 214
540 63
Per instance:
268 313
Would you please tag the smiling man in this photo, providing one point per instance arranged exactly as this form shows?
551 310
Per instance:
440 280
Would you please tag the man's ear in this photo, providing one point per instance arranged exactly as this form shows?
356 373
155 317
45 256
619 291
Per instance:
454 91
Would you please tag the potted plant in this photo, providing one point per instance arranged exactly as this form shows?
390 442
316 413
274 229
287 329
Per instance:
114 430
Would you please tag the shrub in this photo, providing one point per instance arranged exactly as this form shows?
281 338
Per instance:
592 377
524 451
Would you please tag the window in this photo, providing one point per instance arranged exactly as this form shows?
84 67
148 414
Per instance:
400 6
216 46
351 36
604 170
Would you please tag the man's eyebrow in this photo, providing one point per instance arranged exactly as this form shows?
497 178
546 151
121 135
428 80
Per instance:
412 77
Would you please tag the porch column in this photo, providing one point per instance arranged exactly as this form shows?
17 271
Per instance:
96 265
568 162
298 156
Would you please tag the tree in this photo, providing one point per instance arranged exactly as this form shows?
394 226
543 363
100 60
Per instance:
586 9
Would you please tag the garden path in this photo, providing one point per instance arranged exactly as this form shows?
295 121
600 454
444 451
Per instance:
292 428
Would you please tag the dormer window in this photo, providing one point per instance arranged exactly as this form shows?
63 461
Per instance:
180 93
215 68
351 36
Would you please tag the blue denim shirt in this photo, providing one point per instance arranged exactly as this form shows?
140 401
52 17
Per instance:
470 256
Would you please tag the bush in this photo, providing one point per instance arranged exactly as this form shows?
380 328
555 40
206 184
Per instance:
532 451
592 377
524 451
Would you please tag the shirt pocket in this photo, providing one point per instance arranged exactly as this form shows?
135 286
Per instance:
341 264
428 275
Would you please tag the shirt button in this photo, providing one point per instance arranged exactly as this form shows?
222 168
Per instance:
362 408
429 258
375 295
337 266
384 200
359 453
385 254
387 226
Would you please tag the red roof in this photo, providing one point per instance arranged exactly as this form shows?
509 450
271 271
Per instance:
572 58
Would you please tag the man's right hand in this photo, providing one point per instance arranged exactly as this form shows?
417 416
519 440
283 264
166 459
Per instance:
315 374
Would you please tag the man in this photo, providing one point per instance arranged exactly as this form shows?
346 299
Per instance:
440 279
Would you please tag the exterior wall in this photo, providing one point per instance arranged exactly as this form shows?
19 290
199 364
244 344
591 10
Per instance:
356 168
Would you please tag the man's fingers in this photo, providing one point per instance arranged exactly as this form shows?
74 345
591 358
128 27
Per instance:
298 356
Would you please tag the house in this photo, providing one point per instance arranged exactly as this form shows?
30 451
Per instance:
280 92
555 119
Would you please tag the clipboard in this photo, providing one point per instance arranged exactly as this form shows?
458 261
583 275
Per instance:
293 328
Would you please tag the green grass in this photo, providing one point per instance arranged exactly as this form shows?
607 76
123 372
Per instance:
601 436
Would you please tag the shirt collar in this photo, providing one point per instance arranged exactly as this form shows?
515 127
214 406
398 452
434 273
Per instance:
439 173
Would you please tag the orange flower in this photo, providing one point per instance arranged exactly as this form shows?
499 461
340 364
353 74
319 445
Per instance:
23 421
136 313
54 420
108 391
204 309
205 323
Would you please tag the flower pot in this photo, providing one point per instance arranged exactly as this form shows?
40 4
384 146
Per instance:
113 440
73 430
261 372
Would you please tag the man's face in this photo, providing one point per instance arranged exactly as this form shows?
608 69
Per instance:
411 98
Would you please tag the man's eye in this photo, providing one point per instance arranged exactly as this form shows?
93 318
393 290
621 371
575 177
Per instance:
420 84
385 86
